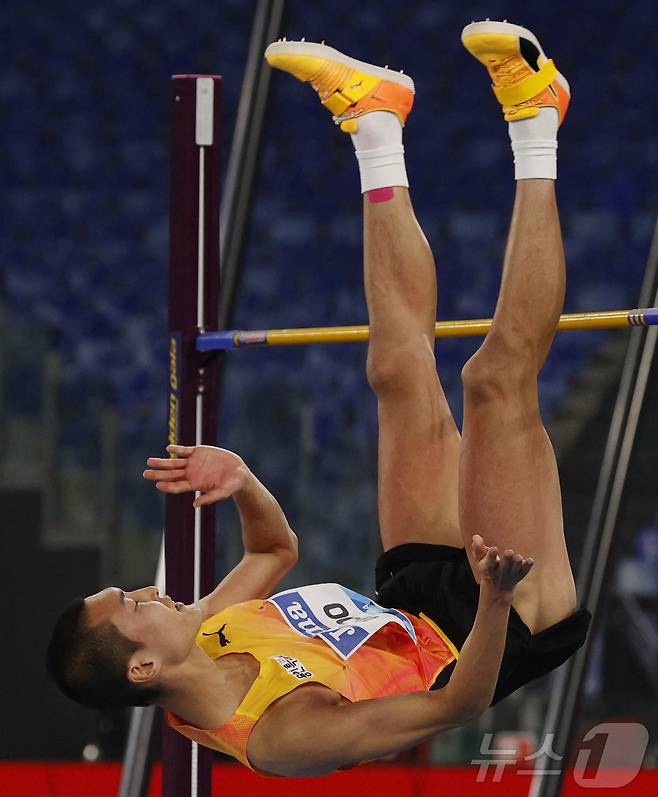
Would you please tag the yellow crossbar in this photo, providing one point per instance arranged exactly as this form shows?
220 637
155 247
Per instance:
606 319
443 329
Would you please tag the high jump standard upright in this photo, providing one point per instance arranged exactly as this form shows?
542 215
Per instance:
193 376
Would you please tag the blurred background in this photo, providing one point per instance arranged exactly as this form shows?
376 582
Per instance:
83 281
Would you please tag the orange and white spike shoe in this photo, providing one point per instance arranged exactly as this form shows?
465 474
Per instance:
346 87
524 80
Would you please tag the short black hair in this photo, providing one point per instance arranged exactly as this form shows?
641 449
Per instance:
88 662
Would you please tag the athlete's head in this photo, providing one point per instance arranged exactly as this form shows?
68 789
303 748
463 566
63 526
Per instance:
116 648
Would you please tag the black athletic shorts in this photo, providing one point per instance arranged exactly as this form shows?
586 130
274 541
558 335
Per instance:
438 580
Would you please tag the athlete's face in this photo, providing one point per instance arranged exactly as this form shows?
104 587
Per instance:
164 630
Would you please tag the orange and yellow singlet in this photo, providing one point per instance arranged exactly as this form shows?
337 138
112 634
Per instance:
323 634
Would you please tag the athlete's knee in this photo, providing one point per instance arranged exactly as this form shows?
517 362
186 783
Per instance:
496 374
400 368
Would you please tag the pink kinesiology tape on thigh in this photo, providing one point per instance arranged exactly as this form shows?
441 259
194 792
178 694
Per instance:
381 194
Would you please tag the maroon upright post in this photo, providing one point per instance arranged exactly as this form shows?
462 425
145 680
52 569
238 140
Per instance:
193 383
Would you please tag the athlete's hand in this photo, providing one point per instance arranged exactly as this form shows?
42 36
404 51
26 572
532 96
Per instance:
502 572
214 472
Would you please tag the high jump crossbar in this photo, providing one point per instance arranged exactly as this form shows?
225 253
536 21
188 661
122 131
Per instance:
237 339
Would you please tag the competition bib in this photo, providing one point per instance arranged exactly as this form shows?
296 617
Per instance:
342 618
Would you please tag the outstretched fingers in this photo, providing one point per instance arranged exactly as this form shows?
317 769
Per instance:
174 487
166 463
166 472
162 471
181 451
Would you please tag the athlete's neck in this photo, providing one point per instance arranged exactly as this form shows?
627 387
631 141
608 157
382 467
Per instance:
206 692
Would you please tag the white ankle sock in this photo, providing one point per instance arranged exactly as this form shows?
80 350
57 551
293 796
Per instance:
534 144
379 151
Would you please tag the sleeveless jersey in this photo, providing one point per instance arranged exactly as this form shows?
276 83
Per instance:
355 647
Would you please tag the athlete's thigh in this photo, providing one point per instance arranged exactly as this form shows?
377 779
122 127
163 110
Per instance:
509 492
418 467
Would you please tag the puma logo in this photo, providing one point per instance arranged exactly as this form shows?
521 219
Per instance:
356 85
223 641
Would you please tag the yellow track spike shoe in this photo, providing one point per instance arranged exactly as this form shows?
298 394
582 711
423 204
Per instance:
524 80
346 87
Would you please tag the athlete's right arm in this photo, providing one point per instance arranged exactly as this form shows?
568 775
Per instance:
315 736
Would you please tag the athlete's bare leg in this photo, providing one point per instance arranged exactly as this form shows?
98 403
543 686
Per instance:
418 439
509 488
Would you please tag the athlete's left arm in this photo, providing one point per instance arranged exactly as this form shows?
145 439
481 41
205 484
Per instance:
269 542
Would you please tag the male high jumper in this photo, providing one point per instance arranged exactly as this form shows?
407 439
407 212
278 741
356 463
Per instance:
319 678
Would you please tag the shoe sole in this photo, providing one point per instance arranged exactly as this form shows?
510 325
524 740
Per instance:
324 51
505 28
509 29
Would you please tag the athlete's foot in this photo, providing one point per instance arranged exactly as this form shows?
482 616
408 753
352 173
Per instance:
524 80
346 87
